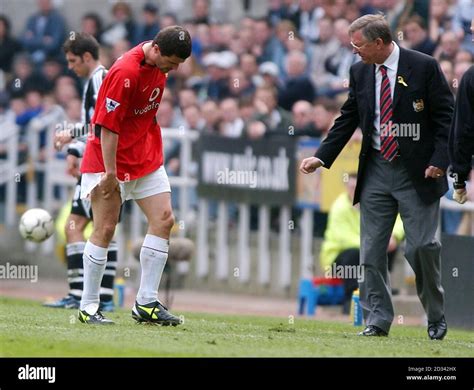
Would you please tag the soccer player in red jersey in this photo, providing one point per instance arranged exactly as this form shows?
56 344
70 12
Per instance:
125 161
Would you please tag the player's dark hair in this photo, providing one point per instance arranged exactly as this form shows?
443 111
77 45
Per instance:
80 44
174 40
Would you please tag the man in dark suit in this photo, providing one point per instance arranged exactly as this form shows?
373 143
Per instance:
401 101
461 137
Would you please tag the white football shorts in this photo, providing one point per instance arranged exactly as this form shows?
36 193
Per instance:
154 183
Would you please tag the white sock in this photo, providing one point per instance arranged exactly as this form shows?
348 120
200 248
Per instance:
153 256
95 259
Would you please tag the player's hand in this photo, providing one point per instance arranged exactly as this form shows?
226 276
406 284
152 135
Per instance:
310 164
433 172
61 138
460 195
72 166
108 185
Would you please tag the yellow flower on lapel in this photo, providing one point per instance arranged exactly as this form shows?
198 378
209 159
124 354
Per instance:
400 80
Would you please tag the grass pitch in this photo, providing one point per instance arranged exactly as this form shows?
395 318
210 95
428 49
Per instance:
29 330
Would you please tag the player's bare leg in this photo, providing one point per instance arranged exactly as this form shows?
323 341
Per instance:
153 256
106 213
159 214
75 226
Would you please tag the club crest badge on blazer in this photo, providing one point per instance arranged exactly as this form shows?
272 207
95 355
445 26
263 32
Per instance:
418 105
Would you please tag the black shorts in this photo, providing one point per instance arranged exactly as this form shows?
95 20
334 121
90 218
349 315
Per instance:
83 207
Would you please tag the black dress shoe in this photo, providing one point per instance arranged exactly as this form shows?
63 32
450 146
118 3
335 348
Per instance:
372 330
437 330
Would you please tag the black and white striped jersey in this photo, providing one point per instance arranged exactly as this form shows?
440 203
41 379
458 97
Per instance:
89 97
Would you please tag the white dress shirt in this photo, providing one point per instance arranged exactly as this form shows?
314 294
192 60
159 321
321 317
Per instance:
392 67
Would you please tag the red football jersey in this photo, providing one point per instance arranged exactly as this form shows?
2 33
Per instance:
127 103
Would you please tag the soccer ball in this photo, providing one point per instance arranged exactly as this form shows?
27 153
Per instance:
36 225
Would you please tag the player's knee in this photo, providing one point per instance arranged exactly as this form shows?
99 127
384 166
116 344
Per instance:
167 219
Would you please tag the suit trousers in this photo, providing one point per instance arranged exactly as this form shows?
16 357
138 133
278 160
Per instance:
386 191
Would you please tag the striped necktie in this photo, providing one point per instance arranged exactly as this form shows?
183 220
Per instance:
388 143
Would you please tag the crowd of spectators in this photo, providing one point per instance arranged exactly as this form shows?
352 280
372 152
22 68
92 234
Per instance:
280 74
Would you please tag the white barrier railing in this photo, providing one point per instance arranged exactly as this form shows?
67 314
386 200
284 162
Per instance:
54 170
8 170
184 182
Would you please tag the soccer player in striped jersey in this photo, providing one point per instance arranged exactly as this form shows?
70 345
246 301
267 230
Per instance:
82 55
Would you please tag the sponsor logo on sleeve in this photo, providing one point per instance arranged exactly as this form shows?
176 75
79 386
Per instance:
111 104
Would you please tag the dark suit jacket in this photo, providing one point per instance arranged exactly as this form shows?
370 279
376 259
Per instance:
425 81
461 137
